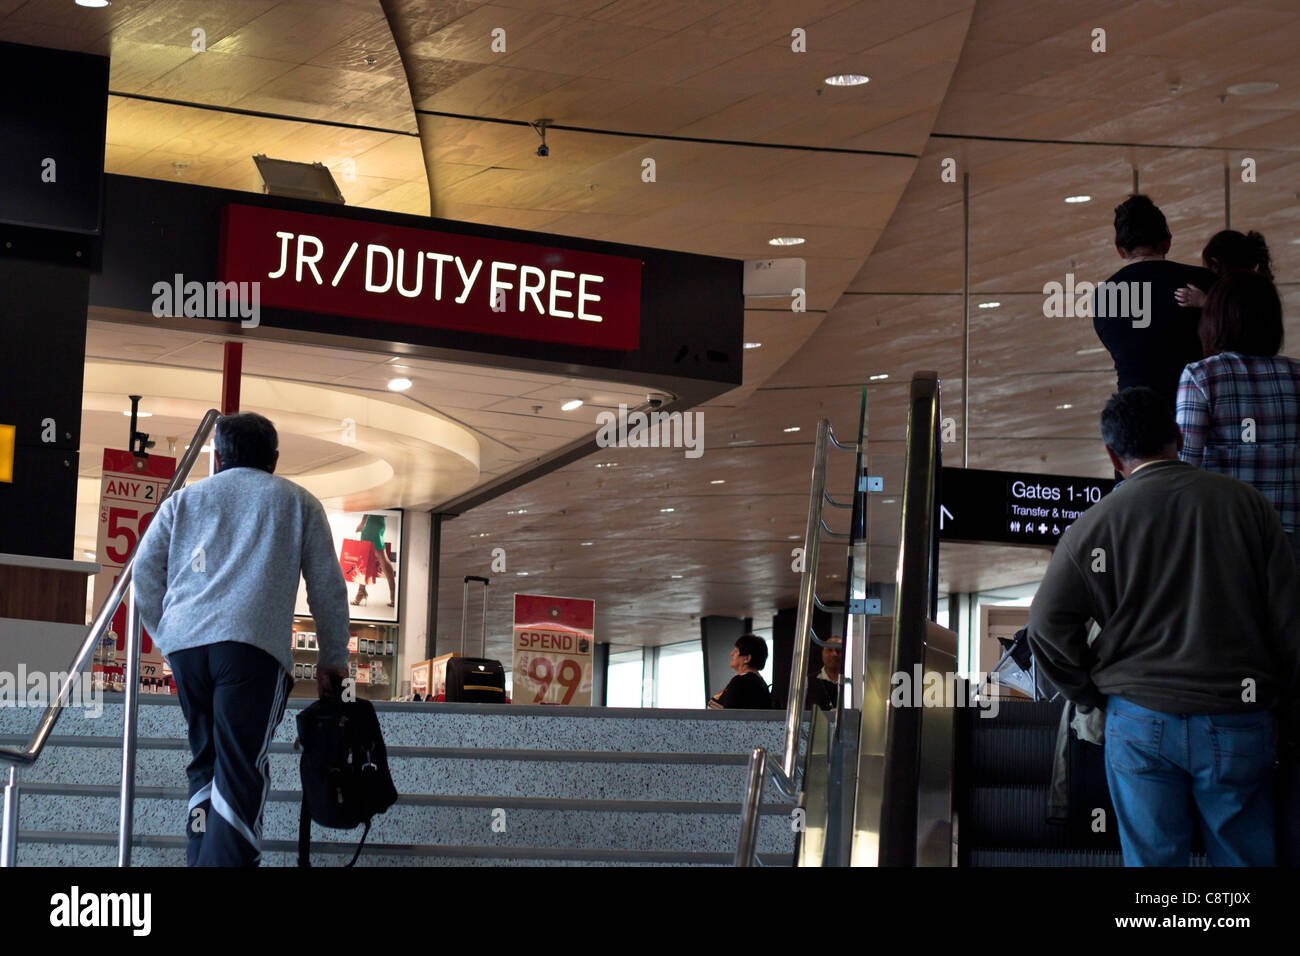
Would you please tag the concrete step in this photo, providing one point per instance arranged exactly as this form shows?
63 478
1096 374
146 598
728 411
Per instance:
51 848
491 726
529 822
431 770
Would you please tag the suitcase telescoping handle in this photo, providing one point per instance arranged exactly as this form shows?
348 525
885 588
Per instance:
464 615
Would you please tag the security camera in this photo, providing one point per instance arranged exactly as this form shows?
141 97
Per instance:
656 401
543 151
539 127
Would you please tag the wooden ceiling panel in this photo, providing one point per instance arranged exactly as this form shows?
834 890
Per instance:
296 32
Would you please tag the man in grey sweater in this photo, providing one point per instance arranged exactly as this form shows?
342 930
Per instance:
216 579
1191 579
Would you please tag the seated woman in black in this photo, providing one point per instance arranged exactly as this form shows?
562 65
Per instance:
747 690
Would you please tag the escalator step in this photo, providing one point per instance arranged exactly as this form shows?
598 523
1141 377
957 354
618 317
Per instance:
999 857
1013 817
1026 713
1010 755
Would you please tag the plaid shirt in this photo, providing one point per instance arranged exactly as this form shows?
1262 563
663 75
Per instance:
1217 395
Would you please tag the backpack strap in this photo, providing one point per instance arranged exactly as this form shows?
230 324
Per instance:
304 834
364 833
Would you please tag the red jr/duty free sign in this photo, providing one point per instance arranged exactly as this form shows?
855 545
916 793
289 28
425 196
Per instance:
553 642
440 280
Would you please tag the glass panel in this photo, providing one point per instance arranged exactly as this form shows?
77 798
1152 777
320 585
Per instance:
681 676
623 687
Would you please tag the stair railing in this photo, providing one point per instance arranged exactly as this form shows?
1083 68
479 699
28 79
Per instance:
787 773
25 756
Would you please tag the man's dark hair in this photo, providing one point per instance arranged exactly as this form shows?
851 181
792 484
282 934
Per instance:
755 648
1139 223
1138 423
246 440
1242 313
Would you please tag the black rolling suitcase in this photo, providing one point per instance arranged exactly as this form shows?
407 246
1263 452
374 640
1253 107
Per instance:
475 679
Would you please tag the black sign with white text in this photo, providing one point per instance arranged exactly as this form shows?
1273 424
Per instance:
1011 507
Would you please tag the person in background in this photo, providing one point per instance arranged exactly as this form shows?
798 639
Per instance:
1149 350
1239 407
747 690
823 690
216 580
1228 251
1190 578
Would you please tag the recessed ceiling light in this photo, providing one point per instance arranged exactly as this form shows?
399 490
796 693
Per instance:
585 544
888 501
518 511
96 4
1249 89
1295 242
759 345
664 511
571 404
127 413
675 575
482 534
847 79
1091 350
521 574
399 384
793 537
1078 199
989 305
792 428
606 464
718 481
786 241
1065 406
878 378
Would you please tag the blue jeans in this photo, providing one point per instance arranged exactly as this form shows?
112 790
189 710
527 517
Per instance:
1170 772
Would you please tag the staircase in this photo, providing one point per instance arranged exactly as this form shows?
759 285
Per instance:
478 784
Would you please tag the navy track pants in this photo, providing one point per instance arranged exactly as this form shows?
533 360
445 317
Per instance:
233 697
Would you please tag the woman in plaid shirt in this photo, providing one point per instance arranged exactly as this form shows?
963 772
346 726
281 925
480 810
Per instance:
1239 409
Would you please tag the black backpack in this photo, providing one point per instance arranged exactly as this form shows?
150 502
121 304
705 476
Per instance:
345 778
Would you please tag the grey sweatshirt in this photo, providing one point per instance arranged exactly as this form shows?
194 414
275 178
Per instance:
221 560
1191 579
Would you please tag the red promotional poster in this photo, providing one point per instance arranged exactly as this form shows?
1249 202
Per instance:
440 280
129 494
553 649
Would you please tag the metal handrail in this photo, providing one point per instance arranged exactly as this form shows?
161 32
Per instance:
753 801
27 755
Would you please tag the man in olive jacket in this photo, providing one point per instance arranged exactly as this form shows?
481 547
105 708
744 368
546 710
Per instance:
1191 579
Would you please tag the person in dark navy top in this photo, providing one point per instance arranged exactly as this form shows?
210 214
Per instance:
1136 312
747 690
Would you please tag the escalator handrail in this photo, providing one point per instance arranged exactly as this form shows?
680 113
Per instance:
916 568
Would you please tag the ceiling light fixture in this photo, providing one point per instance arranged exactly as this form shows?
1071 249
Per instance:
127 413
399 384
1091 350
847 79
571 404
675 575
521 574
759 345
1065 406
585 544
94 4
792 428
518 511
664 511
718 481
879 378
989 305
1250 89
786 241
1078 199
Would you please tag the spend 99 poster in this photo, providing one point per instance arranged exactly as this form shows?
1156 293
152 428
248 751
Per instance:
553 642
368 545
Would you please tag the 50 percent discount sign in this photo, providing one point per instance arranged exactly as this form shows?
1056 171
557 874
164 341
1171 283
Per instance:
553 649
